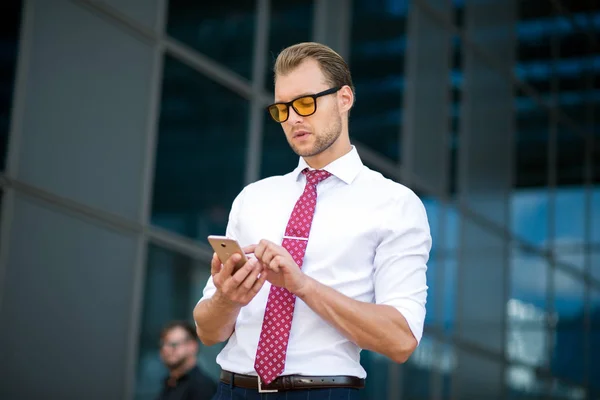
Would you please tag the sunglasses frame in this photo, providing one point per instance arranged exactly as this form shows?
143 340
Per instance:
291 103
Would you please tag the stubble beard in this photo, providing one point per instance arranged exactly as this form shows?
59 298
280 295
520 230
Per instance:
323 140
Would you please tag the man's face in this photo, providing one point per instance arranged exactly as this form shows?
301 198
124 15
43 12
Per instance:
176 348
311 135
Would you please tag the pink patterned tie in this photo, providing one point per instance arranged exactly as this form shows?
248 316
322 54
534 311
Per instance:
272 345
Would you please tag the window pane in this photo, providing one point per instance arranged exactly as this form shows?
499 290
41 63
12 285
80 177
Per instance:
450 263
560 390
376 366
568 336
531 153
570 225
527 339
477 377
430 360
200 153
378 39
530 215
595 234
223 31
594 372
290 23
523 383
434 279
9 35
173 286
570 198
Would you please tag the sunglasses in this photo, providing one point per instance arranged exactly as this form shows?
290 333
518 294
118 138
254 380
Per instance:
303 106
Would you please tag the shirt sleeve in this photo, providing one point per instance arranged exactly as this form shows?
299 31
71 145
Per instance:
232 231
401 261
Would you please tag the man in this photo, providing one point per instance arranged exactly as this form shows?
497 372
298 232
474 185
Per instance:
178 351
338 253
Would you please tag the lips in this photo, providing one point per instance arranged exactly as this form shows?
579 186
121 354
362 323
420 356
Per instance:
299 134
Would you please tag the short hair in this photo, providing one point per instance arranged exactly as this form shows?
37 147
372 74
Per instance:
332 65
186 326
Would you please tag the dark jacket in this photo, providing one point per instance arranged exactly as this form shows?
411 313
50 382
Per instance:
194 385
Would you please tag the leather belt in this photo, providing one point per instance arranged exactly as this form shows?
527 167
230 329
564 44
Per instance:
291 382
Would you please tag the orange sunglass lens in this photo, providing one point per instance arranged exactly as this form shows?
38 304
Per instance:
304 106
279 112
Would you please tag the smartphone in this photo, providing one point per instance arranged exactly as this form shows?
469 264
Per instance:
225 247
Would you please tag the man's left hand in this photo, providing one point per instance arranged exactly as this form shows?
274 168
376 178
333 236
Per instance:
283 270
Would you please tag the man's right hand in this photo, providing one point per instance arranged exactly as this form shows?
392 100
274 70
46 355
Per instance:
239 288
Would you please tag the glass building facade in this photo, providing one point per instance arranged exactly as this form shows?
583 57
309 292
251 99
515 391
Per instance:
128 127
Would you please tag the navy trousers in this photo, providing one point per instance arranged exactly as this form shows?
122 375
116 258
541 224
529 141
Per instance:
228 392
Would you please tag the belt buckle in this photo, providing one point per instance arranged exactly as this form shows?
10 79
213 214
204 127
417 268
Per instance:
261 390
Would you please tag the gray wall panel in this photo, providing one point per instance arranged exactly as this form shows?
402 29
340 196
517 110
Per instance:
86 105
65 313
427 99
68 287
142 12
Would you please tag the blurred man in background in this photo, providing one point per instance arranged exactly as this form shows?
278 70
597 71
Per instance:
179 351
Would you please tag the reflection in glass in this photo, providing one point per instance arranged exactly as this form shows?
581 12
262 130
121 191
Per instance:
561 390
376 366
453 218
450 283
570 226
595 261
450 262
433 209
527 339
594 340
432 316
433 273
568 336
523 383
223 32
529 211
430 357
595 233
377 48
595 224
531 150
200 156
173 286
570 221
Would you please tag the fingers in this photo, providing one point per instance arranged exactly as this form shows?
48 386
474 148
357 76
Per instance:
274 264
215 264
259 283
245 283
249 249
233 282
229 265
259 249
252 276
266 250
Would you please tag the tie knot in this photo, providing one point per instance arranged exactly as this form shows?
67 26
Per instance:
315 176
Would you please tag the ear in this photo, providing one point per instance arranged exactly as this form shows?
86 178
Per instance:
345 98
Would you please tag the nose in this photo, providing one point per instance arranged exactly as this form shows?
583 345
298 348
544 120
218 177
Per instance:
293 117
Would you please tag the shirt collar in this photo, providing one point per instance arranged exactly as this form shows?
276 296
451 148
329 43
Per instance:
345 168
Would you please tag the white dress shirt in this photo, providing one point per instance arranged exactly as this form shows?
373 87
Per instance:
369 240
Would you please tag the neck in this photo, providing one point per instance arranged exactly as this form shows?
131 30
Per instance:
340 148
